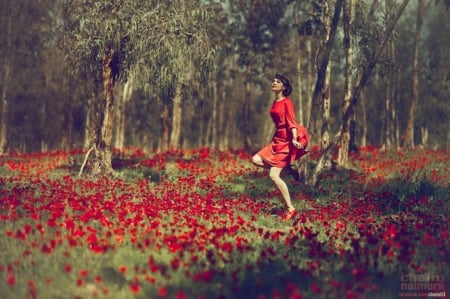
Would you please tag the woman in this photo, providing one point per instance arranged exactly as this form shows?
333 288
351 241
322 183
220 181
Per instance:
288 143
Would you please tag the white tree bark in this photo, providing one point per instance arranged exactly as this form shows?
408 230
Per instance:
122 102
349 12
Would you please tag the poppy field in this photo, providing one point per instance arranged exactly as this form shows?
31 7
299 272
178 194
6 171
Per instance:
206 224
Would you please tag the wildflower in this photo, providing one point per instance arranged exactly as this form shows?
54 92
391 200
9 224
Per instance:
68 268
11 279
83 272
181 295
135 287
162 292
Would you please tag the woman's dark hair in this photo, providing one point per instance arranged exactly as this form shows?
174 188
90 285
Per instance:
288 88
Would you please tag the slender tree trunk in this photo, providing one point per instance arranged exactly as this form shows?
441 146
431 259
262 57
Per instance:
349 10
225 115
4 108
91 121
387 135
127 92
176 119
300 100
70 112
204 136
165 129
389 129
317 97
326 93
395 100
222 117
246 107
326 107
246 112
424 136
352 144
364 128
299 60
409 133
309 83
213 120
43 125
5 85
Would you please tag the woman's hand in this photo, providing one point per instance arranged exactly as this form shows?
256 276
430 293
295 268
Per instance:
297 144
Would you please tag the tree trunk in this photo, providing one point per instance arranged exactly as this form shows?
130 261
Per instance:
102 152
225 115
5 85
326 107
299 61
4 109
364 128
222 118
349 11
409 133
213 120
309 83
127 92
91 121
246 107
389 132
326 94
395 100
165 129
68 144
317 97
44 124
203 136
176 119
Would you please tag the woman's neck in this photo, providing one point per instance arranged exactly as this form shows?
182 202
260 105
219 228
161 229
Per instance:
279 97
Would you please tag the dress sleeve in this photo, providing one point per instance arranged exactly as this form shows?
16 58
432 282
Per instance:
291 121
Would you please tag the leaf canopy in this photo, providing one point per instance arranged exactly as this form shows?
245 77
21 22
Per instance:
156 41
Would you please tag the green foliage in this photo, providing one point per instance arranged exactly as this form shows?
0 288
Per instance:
154 41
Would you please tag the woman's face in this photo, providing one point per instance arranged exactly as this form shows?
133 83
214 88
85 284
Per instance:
277 85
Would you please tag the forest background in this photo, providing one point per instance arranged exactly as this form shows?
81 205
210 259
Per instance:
192 74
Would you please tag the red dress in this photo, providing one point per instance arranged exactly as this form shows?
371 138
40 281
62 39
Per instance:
280 152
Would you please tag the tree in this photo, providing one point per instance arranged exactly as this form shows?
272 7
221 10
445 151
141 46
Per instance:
107 41
422 8
322 69
321 95
372 54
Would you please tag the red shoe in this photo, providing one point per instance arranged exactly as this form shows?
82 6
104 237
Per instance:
290 215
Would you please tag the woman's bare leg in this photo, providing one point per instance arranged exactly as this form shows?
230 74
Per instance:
258 161
274 174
